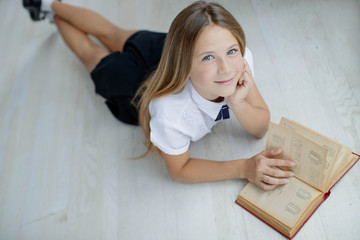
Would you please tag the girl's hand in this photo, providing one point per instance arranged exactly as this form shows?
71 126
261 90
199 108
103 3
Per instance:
243 87
262 170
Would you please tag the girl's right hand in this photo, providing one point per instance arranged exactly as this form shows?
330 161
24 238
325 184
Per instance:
262 169
246 82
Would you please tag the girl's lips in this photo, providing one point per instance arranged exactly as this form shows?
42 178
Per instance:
226 82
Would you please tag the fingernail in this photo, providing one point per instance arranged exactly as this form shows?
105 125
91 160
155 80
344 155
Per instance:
292 164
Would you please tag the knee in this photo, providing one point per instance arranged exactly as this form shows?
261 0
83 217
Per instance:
85 49
107 32
90 55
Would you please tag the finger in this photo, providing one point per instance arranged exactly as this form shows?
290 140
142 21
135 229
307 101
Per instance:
247 79
266 186
274 181
245 62
281 163
278 173
246 67
271 153
243 83
242 78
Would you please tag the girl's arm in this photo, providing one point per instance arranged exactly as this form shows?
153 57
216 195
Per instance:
259 169
248 105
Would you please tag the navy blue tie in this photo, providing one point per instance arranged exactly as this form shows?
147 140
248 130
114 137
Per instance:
224 113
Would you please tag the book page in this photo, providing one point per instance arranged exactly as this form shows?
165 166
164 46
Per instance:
308 156
343 162
332 146
342 159
286 202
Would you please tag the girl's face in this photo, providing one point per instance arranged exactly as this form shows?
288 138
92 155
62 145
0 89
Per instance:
217 63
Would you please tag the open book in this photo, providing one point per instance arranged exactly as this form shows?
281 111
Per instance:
320 162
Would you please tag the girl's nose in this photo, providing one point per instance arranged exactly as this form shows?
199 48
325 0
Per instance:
223 66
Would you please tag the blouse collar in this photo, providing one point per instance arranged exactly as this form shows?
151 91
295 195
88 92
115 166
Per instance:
210 108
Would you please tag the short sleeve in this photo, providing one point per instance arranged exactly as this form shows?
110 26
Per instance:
167 137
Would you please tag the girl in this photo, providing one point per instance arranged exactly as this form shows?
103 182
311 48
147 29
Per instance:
182 83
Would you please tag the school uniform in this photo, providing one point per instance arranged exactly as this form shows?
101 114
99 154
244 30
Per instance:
118 76
177 119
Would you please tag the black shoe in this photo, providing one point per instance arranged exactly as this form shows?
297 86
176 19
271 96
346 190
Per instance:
33 6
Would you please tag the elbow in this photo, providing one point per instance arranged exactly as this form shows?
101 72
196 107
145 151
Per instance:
264 128
262 132
178 176
260 135
177 166
178 179
174 174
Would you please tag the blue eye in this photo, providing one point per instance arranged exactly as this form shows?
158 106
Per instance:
207 58
232 51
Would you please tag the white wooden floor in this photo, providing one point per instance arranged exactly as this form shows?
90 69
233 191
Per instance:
66 167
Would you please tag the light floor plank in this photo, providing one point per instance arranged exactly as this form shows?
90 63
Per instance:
66 165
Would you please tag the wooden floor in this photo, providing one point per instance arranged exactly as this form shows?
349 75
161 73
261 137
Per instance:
66 167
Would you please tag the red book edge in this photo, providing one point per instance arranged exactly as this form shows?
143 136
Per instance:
326 195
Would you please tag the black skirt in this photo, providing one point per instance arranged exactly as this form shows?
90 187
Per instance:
118 76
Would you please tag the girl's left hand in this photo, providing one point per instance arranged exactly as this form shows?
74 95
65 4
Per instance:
243 87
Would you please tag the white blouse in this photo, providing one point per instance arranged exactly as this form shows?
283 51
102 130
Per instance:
178 119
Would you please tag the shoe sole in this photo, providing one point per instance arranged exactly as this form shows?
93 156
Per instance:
34 12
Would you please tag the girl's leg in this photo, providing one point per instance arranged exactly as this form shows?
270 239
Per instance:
86 50
92 23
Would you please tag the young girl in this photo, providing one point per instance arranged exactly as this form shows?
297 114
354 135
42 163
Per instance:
182 82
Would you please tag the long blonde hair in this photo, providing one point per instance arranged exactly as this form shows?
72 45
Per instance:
176 60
